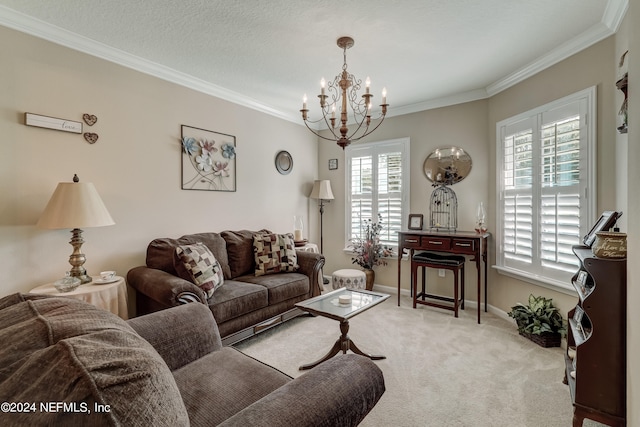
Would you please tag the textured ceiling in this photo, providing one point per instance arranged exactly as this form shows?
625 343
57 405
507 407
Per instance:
267 53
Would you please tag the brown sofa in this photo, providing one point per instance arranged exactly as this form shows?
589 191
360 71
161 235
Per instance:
245 304
64 362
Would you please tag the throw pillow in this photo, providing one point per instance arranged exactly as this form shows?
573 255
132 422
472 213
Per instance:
274 253
197 264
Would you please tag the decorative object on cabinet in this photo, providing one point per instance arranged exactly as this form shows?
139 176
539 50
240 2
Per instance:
344 95
208 160
596 340
333 164
74 205
443 208
447 165
481 218
284 162
604 223
415 222
47 122
610 245
89 119
539 320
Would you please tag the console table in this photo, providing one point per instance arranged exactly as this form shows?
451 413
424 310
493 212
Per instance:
454 242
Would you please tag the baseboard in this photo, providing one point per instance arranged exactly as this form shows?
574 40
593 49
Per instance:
473 304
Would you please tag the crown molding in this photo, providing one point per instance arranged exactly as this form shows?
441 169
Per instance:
35 27
611 19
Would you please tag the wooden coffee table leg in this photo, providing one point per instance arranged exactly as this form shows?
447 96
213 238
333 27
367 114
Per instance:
343 344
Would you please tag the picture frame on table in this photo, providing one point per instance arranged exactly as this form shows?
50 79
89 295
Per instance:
605 222
415 222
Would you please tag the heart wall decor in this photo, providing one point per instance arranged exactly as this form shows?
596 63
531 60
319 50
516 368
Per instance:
91 137
89 119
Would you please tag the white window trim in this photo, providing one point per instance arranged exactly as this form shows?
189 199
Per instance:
406 183
591 191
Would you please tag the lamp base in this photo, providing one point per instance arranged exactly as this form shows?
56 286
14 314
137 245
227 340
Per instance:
77 258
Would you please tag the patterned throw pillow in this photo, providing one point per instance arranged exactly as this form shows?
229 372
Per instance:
274 253
197 264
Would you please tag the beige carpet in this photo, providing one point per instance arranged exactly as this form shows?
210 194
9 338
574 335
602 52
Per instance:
439 370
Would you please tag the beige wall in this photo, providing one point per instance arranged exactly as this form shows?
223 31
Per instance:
463 125
135 165
633 178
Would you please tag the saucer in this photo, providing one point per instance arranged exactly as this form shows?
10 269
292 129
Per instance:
105 281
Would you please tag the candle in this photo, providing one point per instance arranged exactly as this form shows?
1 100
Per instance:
384 95
367 83
322 84
333 112
304 102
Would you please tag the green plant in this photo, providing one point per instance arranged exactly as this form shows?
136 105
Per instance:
538 316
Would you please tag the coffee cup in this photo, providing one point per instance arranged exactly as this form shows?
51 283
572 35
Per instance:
107 275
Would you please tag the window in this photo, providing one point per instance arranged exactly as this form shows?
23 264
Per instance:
546 188
377 183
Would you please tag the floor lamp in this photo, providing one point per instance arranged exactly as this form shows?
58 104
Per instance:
322 192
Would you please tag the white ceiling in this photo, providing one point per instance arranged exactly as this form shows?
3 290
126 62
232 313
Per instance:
267 53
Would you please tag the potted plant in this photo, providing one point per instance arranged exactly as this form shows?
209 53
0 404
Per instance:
539 321
368 251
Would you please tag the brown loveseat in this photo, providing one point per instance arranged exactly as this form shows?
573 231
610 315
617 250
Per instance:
245 304
64 362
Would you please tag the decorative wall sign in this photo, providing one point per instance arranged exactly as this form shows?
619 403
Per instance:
89 119
208 160
47 122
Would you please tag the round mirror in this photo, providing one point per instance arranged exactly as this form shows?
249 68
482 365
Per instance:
447 165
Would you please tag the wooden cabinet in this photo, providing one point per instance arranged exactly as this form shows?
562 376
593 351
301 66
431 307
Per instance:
596 340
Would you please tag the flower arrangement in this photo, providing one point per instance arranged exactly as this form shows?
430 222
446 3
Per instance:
368 250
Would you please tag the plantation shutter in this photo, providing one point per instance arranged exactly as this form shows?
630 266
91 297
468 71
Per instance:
377 183
544 177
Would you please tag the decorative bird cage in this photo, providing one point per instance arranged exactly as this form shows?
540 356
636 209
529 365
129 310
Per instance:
444 209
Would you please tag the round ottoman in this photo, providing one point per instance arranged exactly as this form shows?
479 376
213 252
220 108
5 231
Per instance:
348 278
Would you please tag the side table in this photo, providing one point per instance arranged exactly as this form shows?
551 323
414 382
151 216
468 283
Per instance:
308 247
110 296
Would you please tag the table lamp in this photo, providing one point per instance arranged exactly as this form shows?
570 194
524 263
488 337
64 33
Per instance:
74 205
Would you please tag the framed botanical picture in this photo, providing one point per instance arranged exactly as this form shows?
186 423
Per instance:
415 222
333 164
208 160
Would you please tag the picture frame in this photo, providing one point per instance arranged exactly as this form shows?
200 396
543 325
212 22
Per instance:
208 160
577 315
582 278
415 221
604 223
333 164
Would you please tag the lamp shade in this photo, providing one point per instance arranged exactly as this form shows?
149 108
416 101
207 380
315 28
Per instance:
322 190
75 205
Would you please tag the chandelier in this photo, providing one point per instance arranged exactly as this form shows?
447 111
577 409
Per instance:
343 94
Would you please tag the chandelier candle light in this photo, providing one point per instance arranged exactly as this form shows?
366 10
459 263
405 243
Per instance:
344 93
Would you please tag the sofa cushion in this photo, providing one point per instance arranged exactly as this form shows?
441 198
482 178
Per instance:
274 253
280 287
234 299
240 251
59 349
232 382
197 264
160 252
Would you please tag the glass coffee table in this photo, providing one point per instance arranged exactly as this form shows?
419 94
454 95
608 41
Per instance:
329 305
